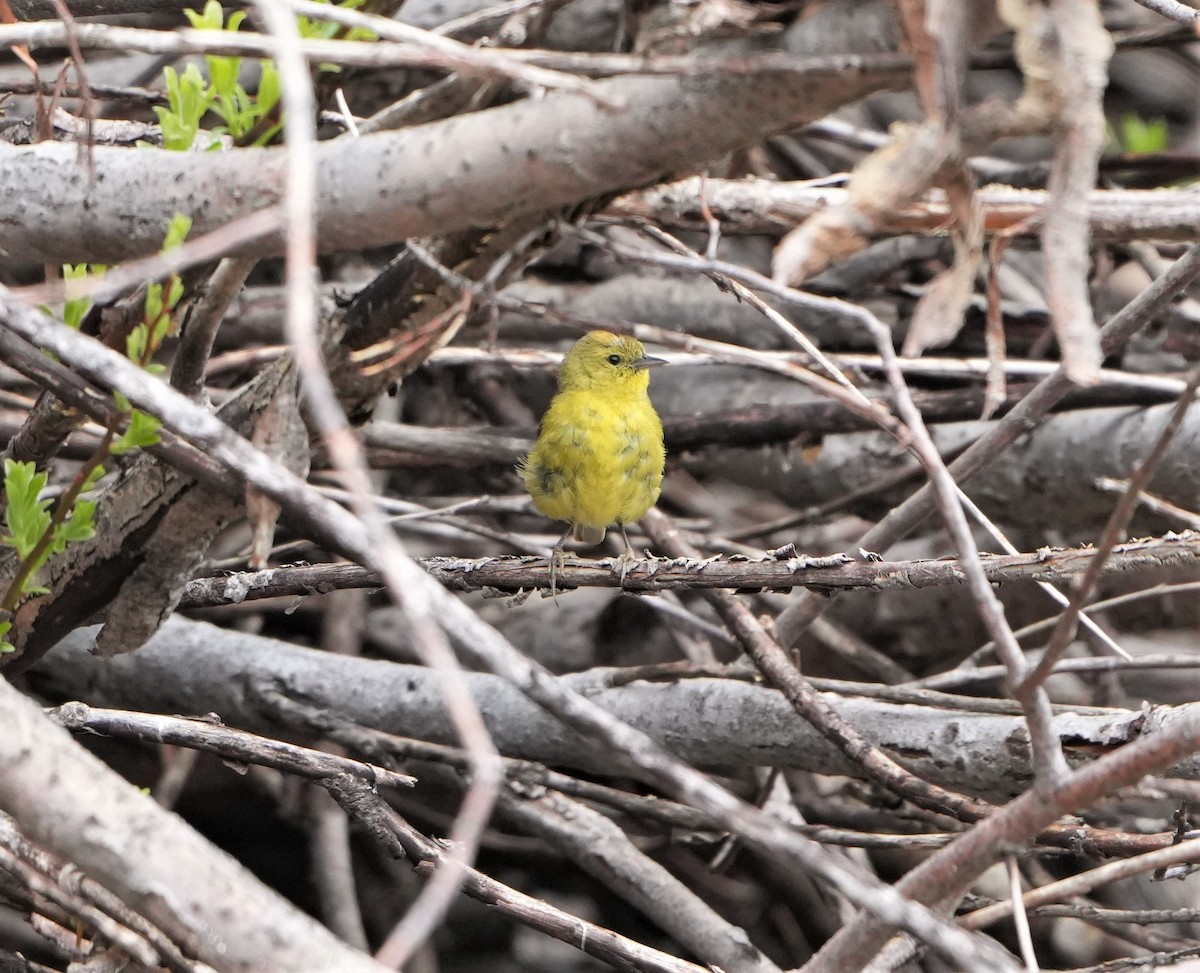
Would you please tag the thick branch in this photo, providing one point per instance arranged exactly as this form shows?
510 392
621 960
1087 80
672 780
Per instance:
70 802
760 206
1048 477
192 667
525 157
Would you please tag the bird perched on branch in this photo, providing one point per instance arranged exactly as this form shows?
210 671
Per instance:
599 455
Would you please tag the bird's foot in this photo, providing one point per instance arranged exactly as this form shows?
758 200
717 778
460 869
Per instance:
558 564
627 560
624 563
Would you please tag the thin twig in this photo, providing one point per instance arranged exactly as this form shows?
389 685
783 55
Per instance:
234 235
1181 13
1187 851
204 318
1020 917
1114 529
226 742
429 638
837 572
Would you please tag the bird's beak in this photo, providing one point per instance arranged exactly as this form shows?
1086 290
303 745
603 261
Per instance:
647 362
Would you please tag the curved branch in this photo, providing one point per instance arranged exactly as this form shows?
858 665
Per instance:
476 170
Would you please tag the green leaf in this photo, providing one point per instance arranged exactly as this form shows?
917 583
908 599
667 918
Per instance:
223 72
174 292
79 526
269 89
135 342
26 516
6 646
1141 136
93 477
76 308
177 231
210 19
141 432
188 99
153 304
269 134
318 28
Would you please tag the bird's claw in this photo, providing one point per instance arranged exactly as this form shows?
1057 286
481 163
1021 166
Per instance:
558 564
624 563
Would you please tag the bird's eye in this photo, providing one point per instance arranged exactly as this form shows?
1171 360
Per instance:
614 359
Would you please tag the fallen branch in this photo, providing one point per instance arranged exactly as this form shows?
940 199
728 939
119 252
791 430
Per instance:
838 572
701 719
761 206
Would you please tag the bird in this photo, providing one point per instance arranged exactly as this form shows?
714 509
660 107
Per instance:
599 456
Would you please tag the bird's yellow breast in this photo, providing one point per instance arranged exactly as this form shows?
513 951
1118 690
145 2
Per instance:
598 459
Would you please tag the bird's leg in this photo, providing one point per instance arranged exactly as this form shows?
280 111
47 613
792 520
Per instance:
626 560
558 561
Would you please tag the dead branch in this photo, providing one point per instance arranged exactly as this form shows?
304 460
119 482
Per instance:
969 752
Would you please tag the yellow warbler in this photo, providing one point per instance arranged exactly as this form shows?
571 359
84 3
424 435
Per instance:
598 458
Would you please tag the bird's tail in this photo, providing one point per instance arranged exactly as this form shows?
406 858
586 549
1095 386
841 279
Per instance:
587 534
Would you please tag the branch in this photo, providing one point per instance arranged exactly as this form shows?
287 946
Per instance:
224 741
703 720
762 206
403 841
601 848
215 909
838 572
1174 10
383 188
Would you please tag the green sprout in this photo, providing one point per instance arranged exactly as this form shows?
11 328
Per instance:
239 112
1139 136
37 528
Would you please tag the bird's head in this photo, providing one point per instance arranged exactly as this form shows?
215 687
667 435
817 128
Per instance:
605 362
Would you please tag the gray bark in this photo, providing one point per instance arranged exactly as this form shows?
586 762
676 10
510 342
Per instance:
470 171
76 807
195 668
1045 480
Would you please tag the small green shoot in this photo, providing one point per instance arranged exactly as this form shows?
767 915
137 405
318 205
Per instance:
188 99
315 28
247 119
26 517
36 528
29 519
75 309
158 322
1139 136
239 111
36 532
141 432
